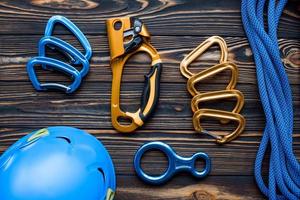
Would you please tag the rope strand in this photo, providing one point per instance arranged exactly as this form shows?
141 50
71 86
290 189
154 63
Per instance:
276 97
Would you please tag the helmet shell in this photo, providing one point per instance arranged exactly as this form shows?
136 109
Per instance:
57 163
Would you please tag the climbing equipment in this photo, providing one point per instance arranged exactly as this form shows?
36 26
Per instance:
176 163
200 97
74 29
57 163
128 36
75 57
276 97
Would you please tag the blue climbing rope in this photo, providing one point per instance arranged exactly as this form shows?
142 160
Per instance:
276 97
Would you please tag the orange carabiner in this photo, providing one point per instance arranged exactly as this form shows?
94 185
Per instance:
200 50
228 92
128 36
221 115
211 72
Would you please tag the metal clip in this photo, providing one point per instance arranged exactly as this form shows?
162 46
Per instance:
200 50
221 115
55 65
75 56
229 92
57 19
224 116
193 80
128 36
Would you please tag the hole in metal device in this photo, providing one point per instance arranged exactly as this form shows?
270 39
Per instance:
117 25
154 162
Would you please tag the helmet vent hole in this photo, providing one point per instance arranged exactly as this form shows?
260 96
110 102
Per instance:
102 172
64 138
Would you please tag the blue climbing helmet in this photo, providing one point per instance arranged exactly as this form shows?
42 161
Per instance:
57 163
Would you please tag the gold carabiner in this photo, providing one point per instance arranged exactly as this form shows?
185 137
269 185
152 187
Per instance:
128 36
211 72
200 50
229 92
221 115
217 95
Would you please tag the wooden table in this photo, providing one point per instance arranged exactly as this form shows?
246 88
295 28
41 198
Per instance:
177 27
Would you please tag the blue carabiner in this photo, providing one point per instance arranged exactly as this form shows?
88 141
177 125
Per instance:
76 57
74 29
67 48
55 65
176 163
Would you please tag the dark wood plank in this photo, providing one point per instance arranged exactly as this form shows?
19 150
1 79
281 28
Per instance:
90 106
16 51
171 17
89 109
184 187
234 159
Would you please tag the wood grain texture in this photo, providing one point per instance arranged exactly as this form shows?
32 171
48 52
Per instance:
163 17
16 51
90 106
177 27
184 187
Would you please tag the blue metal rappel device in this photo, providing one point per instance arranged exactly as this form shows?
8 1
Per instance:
57 163
176 163
74 55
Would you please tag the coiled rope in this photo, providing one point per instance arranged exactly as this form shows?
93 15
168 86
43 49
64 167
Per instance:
276 97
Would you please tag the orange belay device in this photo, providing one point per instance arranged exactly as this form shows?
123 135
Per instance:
200 97
128 36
